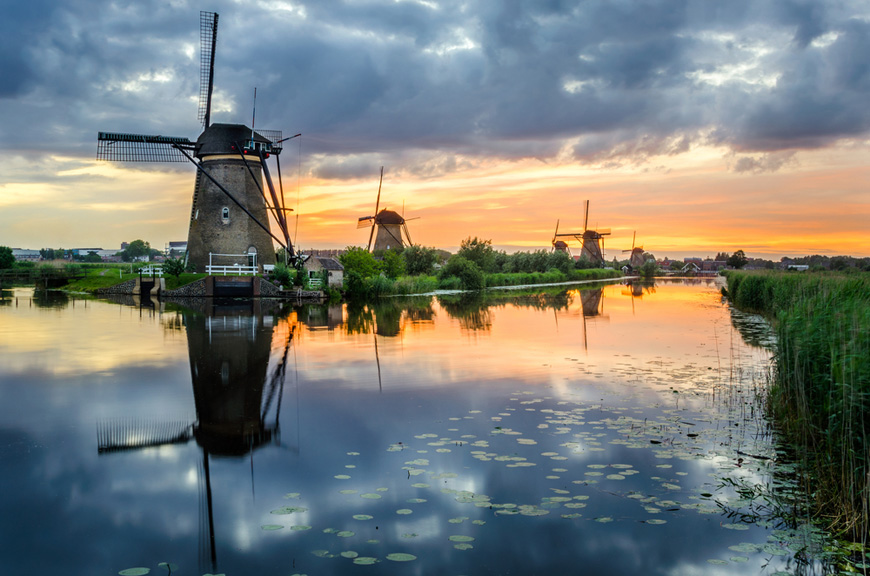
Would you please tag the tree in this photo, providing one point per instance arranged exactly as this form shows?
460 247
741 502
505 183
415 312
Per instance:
7 260
93 257
737 260
392 264
136 249
174 266
470 275
721 256
560 260
419 260
360 261
478 251
648 269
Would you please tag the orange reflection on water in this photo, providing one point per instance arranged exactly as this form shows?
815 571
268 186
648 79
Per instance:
615 332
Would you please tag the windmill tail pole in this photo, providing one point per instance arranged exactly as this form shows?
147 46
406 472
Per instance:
231 197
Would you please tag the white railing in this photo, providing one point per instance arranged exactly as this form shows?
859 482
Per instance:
314 283
151 271
235 269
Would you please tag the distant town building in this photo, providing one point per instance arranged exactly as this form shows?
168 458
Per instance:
24 255
175 249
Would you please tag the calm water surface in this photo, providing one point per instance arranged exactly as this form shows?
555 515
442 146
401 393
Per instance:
595 431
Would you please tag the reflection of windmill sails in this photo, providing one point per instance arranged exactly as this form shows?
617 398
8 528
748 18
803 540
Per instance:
237 398
592 306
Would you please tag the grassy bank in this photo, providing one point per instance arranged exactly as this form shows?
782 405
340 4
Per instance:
820 392
96 277
406 285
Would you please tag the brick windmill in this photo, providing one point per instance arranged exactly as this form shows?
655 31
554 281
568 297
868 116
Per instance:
392 229
592 240
635 260
229 216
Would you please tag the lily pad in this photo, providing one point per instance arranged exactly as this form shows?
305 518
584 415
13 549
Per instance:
365 560
135 571
401 557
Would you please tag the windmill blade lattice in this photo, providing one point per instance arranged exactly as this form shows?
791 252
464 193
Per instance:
121 147
208 24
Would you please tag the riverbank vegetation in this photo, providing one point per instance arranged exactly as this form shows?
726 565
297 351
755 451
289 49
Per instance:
476 266
820 392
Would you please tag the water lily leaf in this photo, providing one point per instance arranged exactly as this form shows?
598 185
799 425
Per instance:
460 538
365 560
139 571
401 557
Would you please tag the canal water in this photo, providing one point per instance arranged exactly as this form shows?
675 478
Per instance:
602 430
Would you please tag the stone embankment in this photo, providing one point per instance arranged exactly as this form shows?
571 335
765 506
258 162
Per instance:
200 289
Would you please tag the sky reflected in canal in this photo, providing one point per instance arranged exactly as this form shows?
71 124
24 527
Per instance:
513 434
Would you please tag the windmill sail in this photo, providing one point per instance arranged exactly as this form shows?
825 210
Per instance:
141 147
208 23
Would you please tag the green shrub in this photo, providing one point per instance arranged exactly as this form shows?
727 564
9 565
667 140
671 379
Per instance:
470 275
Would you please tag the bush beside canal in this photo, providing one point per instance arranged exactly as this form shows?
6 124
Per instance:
820 393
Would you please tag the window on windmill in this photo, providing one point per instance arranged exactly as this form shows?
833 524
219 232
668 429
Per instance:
225 214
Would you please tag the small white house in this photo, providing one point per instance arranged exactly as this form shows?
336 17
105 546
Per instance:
314 265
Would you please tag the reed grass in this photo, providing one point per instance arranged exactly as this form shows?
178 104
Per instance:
820 389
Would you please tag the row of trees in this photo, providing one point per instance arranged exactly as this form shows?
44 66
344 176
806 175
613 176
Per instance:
466 269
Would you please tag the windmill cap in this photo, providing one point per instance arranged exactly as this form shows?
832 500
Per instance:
389 217
220 139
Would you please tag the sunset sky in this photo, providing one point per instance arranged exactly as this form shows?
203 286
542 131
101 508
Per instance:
704 126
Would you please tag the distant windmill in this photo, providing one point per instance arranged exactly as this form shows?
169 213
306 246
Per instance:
392 230
635 261
559 245
230 211
592 240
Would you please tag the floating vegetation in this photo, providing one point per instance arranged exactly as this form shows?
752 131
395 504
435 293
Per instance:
365 560
135 572
288 510
349 554
573 462
401 557
460 538
271 527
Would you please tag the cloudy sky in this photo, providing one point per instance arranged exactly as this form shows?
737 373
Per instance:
704 126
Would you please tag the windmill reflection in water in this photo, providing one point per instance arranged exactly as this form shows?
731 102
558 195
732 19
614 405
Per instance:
237 393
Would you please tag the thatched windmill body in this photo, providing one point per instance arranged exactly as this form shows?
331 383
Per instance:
389 228
592 241
230 211
636 260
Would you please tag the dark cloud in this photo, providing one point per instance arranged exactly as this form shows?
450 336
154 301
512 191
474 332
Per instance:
614 80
